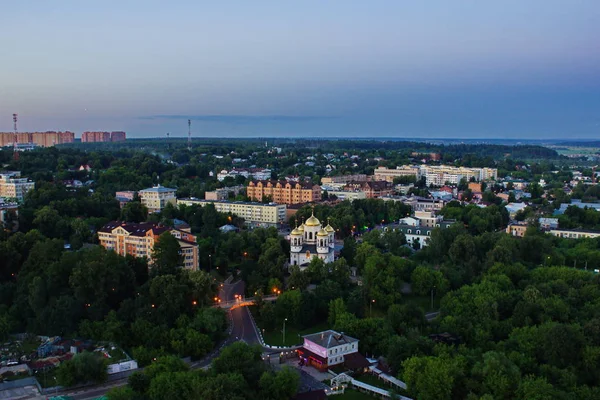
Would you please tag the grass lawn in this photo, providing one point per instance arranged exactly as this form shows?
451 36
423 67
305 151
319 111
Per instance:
292 334
373 381
351 394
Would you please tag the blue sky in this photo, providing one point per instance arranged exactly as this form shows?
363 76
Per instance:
472 69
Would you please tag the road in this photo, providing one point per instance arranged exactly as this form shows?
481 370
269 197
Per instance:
242 330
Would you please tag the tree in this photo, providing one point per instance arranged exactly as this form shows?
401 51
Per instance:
242 359
282 385
134 211
424 279
432 378
166 255
336 308
83 367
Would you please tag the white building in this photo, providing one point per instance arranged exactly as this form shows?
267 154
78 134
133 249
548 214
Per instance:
328 348
347 194
311 240
260 174
156 198
259 213
12 186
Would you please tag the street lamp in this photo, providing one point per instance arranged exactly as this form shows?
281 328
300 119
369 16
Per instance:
210 261
371 308
284 331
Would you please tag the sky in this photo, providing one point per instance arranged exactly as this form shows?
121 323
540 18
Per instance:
437 68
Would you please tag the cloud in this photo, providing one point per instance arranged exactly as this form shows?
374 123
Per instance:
241 119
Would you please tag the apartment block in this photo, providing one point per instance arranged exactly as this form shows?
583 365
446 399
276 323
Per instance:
12 186
43 139
223 193
327 180
91 137
156 198
388 174
138 240
372 189
574 233
258 213
284 192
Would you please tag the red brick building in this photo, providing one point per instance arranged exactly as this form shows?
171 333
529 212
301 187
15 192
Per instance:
283 192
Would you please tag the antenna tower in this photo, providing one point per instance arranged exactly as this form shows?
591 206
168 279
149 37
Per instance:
16 141
189 134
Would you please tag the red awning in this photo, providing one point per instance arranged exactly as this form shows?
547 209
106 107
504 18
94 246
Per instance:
307 353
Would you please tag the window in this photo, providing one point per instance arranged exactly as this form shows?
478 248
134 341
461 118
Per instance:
409 231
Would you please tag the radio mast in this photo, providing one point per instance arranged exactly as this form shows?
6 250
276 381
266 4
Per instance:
189 134
16 141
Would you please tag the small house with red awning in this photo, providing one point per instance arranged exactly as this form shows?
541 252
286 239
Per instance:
328 348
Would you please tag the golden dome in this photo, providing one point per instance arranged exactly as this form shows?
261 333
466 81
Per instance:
296 232
322 232
312 221
329 229
301 228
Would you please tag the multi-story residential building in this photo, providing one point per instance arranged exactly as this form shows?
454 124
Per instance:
438 175
125 196
44 139
284 192
12 186
90 137
325 349
350 195
388 174
326 180
428 218
223 193
311 240
257 213
256 173
372 189
156 198
574 233
138 240
418 203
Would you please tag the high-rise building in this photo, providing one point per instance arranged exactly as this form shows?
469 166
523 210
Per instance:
91 137
43 139
138 240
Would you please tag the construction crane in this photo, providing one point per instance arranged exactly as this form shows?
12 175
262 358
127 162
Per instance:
189 134
16 141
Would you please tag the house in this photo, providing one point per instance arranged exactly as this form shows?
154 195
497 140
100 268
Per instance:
517 229
325 349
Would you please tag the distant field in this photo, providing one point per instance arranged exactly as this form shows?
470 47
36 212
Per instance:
570 150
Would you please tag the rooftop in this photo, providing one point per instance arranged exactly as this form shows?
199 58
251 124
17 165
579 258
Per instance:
330 338
158 189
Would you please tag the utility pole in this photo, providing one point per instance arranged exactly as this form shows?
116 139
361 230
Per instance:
432 289
284 331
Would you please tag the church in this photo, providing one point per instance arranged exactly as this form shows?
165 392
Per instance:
311 240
